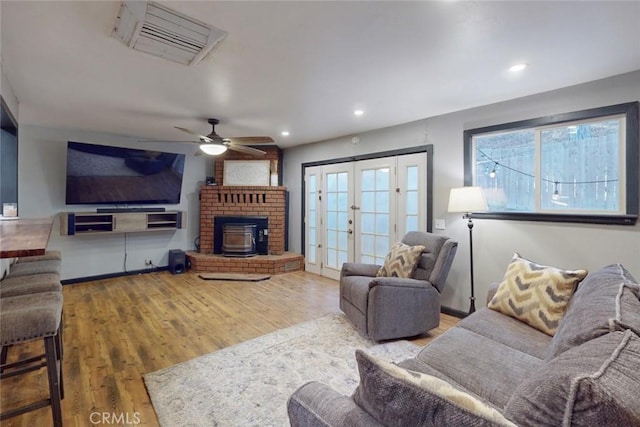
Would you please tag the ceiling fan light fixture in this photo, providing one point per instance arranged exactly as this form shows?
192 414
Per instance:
213 149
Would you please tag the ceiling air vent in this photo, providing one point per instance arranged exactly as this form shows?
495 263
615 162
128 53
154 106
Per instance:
154 29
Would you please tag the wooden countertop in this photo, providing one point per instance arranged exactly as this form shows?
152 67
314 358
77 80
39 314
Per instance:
24 237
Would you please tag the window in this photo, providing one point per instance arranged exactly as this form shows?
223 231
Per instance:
575 167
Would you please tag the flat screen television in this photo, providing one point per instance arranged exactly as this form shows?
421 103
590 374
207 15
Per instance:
106 175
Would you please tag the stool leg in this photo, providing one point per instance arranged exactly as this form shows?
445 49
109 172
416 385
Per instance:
59 358
3 354
53 372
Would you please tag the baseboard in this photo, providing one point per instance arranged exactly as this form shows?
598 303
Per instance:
112 275
453 312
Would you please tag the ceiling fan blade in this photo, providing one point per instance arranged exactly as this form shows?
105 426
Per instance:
248 150
250 140
202 137
164 140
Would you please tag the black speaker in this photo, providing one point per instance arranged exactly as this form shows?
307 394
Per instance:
177 261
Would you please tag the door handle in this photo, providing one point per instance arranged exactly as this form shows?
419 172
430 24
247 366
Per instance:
350 231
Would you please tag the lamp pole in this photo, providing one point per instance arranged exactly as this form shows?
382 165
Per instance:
472 307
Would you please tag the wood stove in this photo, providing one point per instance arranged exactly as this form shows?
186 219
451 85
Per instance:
261 235
239 240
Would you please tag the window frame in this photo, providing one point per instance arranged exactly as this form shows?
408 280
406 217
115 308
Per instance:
630 111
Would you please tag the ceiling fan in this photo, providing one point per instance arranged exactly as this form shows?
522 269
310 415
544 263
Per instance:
213 144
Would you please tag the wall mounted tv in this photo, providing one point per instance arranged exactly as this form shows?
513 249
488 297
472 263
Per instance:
106 175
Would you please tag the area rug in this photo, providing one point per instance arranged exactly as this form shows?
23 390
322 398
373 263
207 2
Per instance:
248 384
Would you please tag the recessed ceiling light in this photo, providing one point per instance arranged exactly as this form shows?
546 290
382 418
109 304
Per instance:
358 112
517 67
284 133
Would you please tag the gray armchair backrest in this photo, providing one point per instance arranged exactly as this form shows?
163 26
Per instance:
435 262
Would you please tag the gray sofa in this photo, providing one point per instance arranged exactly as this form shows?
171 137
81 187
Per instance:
497 370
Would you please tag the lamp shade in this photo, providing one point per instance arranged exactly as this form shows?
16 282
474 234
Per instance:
213 149
467 199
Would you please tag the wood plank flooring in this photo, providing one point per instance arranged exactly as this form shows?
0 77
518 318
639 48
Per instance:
117 330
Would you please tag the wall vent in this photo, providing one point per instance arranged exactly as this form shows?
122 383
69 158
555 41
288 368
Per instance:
156 30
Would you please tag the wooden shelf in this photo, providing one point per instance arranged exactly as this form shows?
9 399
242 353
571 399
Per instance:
77 223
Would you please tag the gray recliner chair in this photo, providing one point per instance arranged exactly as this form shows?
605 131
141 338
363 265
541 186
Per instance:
384 308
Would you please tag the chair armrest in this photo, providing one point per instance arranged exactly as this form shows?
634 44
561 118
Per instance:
359 269
318 405
493 288
398 282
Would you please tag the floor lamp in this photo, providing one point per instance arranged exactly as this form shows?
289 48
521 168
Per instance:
467 200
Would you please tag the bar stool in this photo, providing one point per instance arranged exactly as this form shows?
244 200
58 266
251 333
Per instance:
29 284
48 256
27 318
50 266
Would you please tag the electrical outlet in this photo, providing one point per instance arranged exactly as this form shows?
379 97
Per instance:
440 224
148 262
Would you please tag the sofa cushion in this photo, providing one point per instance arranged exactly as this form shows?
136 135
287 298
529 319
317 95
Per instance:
397 397
508 331
478 364
607 300
536 294
401 261
594 384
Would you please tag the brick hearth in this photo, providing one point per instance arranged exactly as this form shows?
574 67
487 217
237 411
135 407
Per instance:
263 264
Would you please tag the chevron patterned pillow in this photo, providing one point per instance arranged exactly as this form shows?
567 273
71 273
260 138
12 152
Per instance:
536 294
401 261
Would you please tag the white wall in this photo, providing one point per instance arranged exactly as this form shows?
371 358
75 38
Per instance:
495 241
41 193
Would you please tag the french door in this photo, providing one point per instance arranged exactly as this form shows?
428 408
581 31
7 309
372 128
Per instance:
355 211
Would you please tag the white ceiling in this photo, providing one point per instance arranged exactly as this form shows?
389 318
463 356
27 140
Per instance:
304 66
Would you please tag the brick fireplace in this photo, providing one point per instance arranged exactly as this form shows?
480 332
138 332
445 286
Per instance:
218 201
245 201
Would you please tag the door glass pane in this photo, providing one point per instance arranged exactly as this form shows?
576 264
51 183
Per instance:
342 257
343 241
337 210
332 182
382 179
368 180
382 224
412 178
332 239
332 257
311 212
367 242
412 223
366 259
381 246
412 202
374 213
367 202
343 221
382 201
332 202
332 220
367 223
343 182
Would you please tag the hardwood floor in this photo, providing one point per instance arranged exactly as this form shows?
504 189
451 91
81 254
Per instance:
117 330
